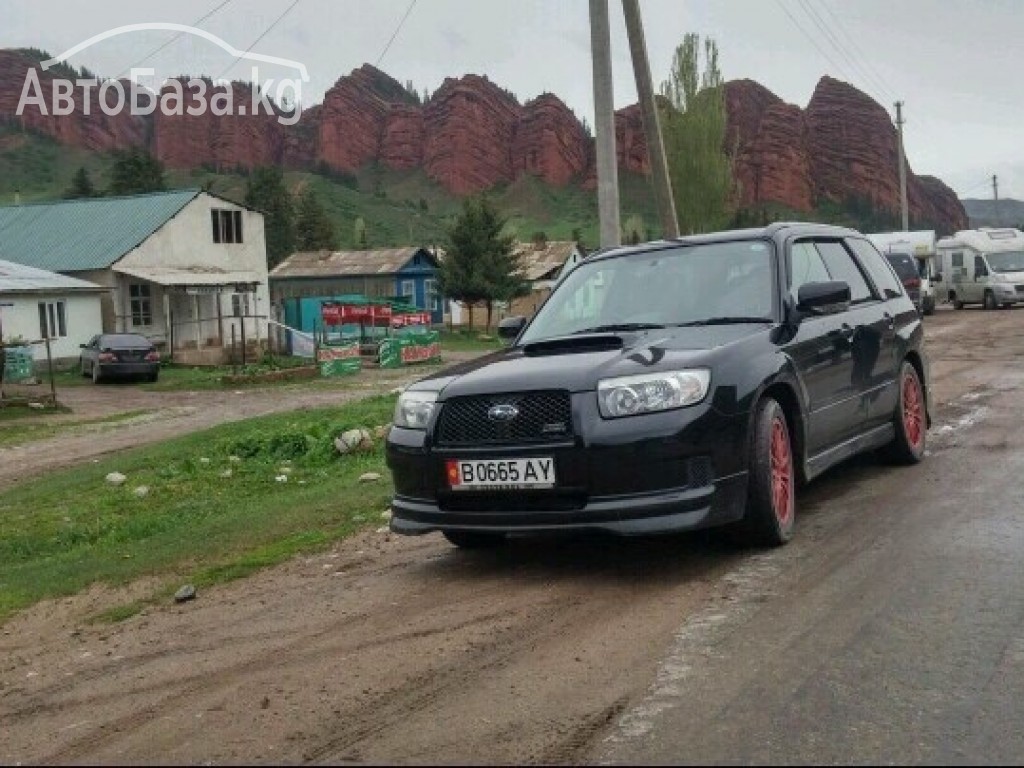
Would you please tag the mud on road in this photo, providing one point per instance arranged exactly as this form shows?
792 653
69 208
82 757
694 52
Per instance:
389 649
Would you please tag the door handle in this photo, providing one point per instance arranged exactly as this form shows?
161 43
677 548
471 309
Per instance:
846 332
890 321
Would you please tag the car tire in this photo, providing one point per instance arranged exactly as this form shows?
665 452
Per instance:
929 307
957 304
475 540
990 300
771 491
910 419
152 377
97 377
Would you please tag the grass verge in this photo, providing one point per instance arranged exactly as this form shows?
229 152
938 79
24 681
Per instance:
19 434
207 517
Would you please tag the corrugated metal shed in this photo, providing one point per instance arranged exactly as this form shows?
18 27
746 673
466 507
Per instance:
17 278
387 261
76 235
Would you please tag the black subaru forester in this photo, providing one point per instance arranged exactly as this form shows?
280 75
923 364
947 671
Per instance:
670 386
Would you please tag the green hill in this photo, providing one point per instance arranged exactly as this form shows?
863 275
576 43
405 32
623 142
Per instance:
399 207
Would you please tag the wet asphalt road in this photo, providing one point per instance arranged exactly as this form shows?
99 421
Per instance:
892 630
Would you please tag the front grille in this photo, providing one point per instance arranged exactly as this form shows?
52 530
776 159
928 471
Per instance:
544 417
466 501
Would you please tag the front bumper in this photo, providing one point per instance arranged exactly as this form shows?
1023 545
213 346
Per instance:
111 370
656 473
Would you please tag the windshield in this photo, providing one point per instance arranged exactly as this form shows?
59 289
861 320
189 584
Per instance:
1011 261
717 282
904 266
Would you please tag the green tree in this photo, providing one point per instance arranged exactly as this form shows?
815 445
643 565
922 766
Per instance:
693 125
266 192
314 230
81 186
479 266
359 234
136 172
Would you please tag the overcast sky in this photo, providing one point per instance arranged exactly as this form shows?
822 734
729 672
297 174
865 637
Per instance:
956 63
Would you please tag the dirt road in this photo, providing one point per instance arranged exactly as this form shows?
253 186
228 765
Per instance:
890 630
169 414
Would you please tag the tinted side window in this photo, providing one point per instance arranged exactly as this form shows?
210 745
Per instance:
806 267
881 273
842 267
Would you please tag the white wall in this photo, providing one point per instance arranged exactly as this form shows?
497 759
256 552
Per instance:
83 315
186 241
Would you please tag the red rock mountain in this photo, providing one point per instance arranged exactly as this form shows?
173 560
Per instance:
471 135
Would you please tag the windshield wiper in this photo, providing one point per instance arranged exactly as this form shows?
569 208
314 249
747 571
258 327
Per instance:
725 321
619 327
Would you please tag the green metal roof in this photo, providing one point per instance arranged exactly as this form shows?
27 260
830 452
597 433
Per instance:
75 235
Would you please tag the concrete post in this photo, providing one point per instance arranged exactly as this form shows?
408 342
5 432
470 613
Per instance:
604 125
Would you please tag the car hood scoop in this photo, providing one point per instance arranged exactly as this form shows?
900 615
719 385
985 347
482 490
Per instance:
561 345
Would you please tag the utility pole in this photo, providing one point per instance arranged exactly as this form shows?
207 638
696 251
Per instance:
903 168
995 198
604 125
652 124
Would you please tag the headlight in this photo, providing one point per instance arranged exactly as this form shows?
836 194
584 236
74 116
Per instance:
652 392
413 409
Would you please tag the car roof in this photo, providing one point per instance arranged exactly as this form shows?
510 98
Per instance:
776 231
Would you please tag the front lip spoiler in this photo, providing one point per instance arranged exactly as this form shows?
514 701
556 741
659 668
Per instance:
661 512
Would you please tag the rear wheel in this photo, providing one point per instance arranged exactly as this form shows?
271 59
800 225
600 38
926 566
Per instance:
771 496
910 419
990 300
152 377
474 540
957 304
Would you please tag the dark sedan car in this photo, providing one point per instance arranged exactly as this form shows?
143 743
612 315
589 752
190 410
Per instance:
908 271
670 386
119 355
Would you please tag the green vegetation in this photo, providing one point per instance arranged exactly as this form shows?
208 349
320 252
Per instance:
412 208
206 518
314 230
135 172
81 186
465 340
694 131
480 267
267 192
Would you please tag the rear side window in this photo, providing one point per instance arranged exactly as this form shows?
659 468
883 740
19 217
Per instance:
806 267
878 268
842 267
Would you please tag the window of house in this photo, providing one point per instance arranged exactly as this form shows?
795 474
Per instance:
140 300
409 291
240 305
433 299
958 259
227 226
53 322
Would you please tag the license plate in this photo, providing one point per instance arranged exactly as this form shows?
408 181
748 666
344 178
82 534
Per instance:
501 474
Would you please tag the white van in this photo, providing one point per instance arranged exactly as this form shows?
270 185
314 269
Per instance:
982 266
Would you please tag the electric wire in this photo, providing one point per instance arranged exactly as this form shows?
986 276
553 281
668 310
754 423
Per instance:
394 35
254 43
176 37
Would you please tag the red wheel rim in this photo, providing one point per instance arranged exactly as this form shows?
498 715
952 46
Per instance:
913 411
782 472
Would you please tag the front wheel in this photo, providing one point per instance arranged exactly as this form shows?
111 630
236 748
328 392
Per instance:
474 540
957 304
771 496
910 419
990 300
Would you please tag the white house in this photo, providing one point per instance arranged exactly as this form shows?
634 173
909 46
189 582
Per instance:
35 303
185 268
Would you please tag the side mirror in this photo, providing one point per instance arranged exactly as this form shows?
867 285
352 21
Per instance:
823 298
510 327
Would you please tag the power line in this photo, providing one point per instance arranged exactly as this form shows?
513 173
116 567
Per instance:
839 69
868 65
395 33
266 32
155 51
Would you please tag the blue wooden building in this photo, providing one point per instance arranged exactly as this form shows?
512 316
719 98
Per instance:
300 283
